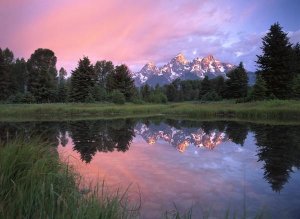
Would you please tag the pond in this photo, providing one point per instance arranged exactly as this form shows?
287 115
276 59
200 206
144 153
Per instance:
209 168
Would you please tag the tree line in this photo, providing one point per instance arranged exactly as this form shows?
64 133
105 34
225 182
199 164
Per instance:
38 81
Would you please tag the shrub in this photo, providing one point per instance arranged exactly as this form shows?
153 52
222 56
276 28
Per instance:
117 97
158 98
211 96
137 101
17 98
29 98
89 99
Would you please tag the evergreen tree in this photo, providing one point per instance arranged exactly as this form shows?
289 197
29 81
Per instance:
6 82
102 69
275 62
296 63
121 80
62 87
237 83
220 85
171 92
145 91
82 81
205 87
20 75
42 75
187 90
259 89
296 87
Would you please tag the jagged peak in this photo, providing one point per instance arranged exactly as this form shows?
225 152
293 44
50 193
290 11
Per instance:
150 64
180 58
198 59
180 55
210 58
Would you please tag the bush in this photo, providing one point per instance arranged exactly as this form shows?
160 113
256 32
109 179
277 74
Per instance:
17 98
98 93
157 98
117 97
29 98
89 99
137 101
211 96
244 99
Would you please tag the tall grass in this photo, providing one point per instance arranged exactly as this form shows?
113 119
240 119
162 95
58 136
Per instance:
265 110
34 184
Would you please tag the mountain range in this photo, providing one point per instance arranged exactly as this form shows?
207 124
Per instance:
180 67
180 138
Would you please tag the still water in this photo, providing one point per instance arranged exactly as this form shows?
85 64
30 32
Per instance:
209 167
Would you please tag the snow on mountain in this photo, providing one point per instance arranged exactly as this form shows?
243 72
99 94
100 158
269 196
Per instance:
180 67
180 138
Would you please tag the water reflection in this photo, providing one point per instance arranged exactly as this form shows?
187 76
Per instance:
181 137
90 137
278 146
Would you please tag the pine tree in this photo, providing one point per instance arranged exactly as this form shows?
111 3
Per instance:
42 75
171 92
6 81
145 91
296 60
237 83
20 75
275 62
82 80
121 80
205 87
102 69
62 88
259 89
220 86
296 87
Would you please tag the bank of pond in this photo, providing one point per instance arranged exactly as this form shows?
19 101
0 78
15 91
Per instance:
287 110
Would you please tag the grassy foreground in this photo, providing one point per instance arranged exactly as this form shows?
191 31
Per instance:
34 184
264 110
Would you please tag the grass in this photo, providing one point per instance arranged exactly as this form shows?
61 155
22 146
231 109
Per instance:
263 110
34 184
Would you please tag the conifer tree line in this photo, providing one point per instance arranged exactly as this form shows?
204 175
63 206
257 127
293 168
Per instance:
37 80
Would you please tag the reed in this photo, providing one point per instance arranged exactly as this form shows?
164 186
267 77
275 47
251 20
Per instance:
35 184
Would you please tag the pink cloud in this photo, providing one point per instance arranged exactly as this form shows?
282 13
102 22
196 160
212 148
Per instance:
129 32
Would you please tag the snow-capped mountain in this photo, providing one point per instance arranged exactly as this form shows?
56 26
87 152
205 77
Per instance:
180 67
180 138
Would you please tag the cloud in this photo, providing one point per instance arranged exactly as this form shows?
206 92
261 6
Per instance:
130 32
294 36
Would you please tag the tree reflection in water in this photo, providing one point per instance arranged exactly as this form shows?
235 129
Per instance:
90 137
278 146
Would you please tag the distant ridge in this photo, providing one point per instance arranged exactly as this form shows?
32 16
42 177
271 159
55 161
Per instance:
180 67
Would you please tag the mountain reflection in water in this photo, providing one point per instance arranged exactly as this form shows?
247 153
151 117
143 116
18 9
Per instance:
191 150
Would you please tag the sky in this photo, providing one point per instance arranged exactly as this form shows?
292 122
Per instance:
134 32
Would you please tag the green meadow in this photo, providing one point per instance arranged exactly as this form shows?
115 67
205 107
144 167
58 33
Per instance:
288 110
